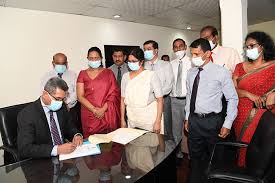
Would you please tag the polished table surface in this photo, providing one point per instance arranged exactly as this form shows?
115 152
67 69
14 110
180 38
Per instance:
116 164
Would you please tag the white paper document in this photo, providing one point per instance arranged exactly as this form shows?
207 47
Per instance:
85 149
126 135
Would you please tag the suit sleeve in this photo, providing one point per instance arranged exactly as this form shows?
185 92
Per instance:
69 127
26 142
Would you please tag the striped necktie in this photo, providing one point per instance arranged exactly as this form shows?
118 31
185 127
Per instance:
54 130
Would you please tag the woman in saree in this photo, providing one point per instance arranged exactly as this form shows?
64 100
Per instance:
99 95
254 81
141 94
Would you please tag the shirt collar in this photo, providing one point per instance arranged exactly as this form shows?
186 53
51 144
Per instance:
207 66
45 108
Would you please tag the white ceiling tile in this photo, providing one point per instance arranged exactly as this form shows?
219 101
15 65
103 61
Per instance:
103 12
206 8
61 6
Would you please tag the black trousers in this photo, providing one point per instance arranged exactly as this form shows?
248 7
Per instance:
203 135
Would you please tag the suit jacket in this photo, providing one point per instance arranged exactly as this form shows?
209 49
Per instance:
34 135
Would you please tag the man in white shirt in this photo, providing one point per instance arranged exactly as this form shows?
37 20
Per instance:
180 66
60 69
223 56
165 74
119 67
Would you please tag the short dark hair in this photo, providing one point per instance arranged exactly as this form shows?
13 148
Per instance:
203 43
213 30
164 56
154 43
178 39
96 49
138 53
54 83
266 42
118 49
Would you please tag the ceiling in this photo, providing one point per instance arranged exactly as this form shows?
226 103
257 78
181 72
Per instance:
168 13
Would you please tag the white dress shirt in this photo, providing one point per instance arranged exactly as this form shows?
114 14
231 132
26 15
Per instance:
186 65
164 72
70 78
226 57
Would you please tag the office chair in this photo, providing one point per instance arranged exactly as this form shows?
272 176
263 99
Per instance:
260 157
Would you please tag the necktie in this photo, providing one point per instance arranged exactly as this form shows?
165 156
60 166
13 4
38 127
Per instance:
152 67
119 76
194 91
179 80
60 75
54 131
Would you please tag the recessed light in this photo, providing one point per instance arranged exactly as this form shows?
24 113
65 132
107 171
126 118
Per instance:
188 27
117 16
127 176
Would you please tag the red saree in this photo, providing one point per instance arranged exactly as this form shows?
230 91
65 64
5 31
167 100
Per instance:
257 82
100 90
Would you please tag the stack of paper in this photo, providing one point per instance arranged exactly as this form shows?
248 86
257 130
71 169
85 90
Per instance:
85 149
121 136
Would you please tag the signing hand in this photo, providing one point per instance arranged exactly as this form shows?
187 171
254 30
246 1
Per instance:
224 132
66 148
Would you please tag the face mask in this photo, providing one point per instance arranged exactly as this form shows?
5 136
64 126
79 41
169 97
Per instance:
55 105
148 54
94 64
197 61
60 69
212 45
253 53
180 54
134 66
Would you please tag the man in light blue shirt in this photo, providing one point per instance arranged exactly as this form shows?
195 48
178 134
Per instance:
206 85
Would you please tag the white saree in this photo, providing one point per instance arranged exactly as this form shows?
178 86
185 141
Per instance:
141 114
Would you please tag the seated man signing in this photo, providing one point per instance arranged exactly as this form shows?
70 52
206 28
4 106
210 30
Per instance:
45 125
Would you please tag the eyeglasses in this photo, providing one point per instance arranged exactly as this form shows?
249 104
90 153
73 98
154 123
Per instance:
57 99
251 46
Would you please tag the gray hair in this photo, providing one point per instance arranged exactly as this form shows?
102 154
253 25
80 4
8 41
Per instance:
54 83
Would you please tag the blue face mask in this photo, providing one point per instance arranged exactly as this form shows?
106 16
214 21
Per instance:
94 64
134 66
60 69
149 54
55 105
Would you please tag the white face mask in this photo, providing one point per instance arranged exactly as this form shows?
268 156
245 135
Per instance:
180 54
197 61
253 53
212 45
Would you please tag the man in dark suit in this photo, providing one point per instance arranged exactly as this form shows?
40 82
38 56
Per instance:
45 124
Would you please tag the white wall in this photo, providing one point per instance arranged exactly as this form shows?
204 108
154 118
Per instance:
268 27
28 40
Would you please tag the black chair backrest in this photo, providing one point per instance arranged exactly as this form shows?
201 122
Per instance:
8 124
261 150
